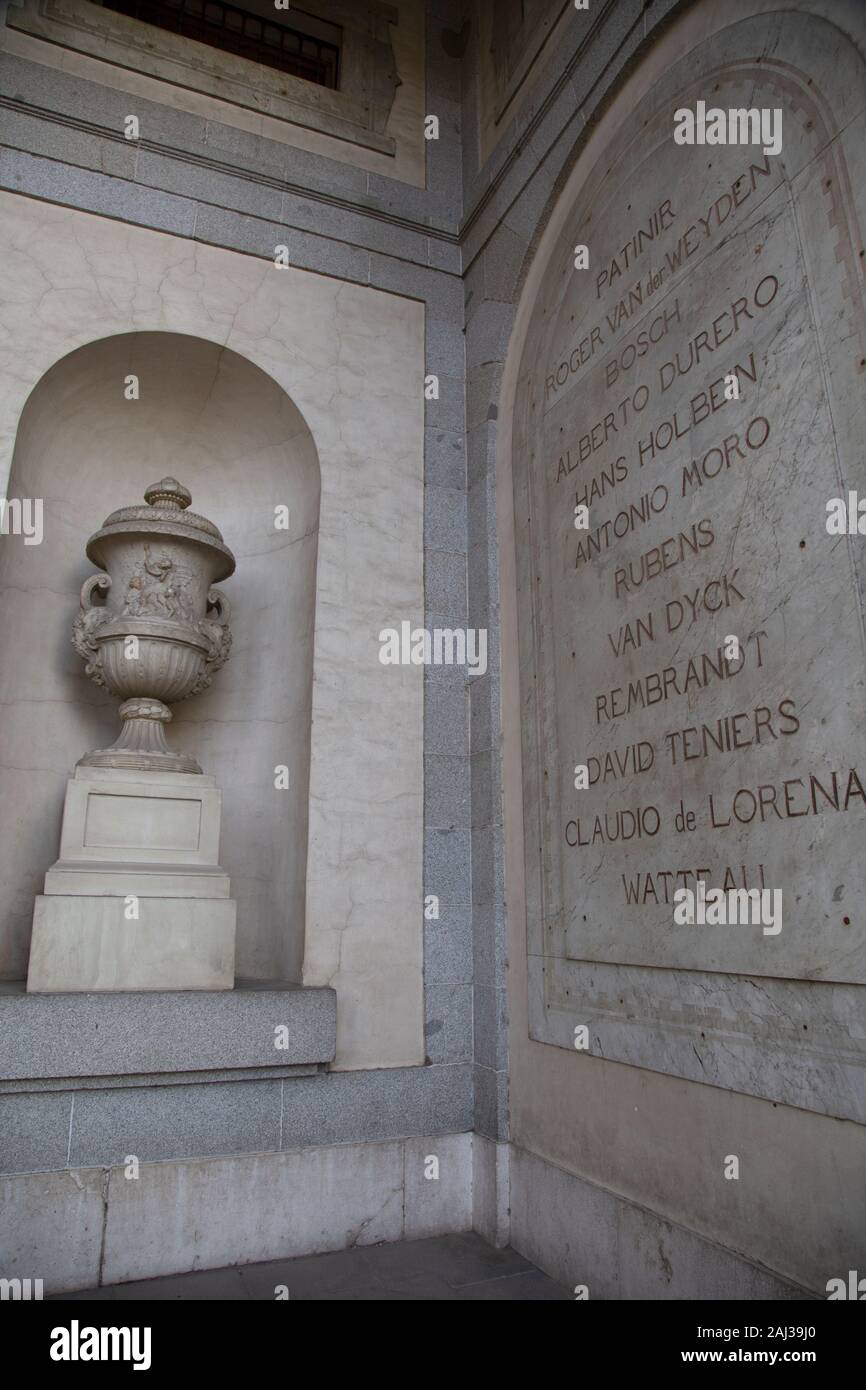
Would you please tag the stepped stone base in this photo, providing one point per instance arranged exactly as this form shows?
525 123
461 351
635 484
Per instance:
137 899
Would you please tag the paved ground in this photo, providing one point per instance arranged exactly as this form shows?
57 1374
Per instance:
447 1267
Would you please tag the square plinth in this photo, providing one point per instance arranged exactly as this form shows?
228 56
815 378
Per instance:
92 944
154 834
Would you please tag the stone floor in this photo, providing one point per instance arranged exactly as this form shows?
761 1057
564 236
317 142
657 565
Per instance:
446 1267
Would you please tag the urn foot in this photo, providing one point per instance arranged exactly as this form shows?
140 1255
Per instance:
141 746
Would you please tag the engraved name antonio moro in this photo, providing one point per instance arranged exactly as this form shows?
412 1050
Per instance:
152 628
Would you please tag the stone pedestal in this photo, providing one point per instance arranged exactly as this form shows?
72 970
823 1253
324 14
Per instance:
137 899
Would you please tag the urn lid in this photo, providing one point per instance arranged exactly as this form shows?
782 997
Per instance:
164 514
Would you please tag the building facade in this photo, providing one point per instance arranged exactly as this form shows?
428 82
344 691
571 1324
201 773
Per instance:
373 281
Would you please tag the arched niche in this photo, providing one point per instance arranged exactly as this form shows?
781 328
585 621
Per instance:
211 418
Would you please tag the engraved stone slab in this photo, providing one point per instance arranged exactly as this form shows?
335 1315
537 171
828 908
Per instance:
740 765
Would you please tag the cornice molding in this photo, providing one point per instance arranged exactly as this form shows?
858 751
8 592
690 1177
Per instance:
221 166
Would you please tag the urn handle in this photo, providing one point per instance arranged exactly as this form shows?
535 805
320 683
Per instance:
96 581
217 600
89 619
214 627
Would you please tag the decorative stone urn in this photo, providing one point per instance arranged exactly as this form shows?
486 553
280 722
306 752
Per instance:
161 629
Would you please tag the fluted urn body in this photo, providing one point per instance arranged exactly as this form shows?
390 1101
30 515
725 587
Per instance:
152 628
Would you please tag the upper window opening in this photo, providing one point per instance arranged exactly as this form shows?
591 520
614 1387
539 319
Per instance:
302 45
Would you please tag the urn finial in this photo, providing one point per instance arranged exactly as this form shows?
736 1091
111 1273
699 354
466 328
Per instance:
168 492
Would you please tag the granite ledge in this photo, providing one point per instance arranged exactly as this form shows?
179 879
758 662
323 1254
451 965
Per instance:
170 1035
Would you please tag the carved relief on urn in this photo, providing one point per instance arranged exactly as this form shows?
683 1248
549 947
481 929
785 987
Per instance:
152 628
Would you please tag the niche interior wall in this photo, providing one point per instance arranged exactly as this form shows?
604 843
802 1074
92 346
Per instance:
253 381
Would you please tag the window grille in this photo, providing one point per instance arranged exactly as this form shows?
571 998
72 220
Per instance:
239 31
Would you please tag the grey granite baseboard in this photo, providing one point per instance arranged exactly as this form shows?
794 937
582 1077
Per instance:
63 1041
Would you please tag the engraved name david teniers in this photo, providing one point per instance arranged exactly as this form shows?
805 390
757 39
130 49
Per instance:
667 412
